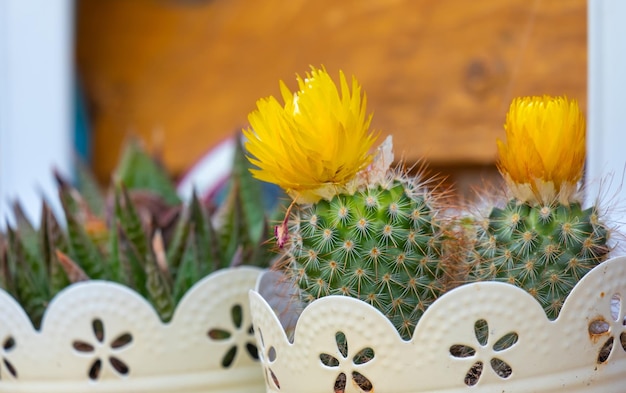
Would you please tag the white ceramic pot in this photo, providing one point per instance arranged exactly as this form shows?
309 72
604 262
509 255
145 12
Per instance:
584 350
100 336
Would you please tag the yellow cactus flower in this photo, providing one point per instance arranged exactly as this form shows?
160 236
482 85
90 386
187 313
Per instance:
544 153
314 145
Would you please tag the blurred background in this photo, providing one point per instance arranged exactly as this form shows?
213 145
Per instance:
83 75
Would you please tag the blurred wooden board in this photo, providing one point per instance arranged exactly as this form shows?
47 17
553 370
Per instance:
439 75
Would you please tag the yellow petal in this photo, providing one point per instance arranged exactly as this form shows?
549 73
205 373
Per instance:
318 140
544 153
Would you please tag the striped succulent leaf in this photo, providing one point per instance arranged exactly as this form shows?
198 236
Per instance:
137 233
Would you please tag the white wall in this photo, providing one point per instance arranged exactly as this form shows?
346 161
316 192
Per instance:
36 118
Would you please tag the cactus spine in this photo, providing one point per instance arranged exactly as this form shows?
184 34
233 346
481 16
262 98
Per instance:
544 249
382 245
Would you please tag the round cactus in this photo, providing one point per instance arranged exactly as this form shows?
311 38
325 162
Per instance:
544 249
355 227
543 240
382 245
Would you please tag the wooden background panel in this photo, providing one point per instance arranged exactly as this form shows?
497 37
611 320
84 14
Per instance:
439 75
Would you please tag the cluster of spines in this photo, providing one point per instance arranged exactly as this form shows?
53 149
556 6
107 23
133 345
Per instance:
382 245
544 249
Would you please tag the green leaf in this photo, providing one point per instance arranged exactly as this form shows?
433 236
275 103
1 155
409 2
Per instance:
188 272
119 272
158 286
30 257
205 237
263 252
52 239
133 266
250 192
67 195
138 170
130 222
83 250
31 293
132 269
73 272
28 234
179 242
90 189
6 277
232 226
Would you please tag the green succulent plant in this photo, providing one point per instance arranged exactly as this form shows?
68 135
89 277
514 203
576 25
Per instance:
139 234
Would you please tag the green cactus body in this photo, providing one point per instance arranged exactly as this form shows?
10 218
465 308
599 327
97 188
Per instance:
543 249
381 245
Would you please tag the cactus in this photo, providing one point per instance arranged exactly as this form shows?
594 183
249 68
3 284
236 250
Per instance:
140 235
355 227
543 240
382 245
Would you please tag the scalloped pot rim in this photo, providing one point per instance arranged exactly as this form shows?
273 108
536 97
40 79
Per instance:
106 286
565 354
103 336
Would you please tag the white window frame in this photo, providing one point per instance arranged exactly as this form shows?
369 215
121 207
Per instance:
606 112
36 113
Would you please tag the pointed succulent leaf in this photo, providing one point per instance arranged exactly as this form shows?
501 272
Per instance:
238 258
6 278
119 272
251 193
67 194
160 256
83 249
90 189
28 234
230 225
159 292
30 263
129 235
54 230
52 240
30 290
94 226
72 269
178 243
188 271
206 239
130 222
158 287
262 253
138 170
133 263
44 237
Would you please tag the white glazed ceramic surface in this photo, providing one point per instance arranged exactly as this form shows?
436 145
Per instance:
584 350
136 351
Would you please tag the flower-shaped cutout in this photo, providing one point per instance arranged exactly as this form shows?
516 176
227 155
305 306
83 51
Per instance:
613 327
6 367
103 350
483 351
268 356
344 362
219 334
